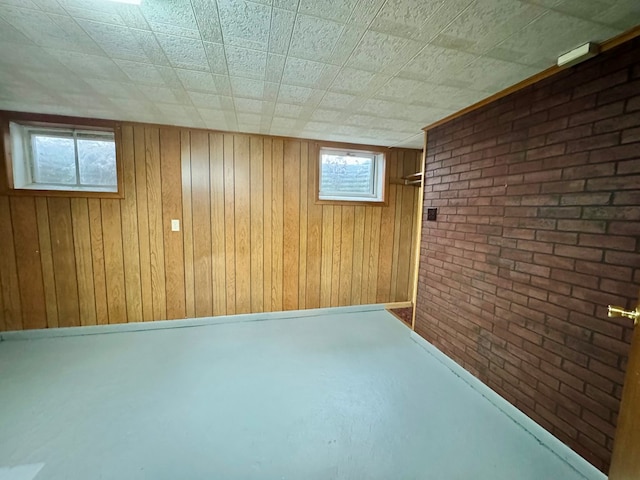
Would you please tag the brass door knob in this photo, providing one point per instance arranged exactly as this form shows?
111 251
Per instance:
634 315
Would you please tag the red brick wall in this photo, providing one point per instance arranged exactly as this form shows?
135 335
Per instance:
538 199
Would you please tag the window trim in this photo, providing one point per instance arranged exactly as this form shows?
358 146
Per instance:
32 120
381 163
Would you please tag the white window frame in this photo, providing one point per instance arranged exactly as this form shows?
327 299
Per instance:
377 180
24 167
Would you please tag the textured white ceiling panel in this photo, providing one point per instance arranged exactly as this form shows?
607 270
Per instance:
368 71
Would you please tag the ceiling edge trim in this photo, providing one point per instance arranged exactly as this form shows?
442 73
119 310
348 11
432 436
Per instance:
607 45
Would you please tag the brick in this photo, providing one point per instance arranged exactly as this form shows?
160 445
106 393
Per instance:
585 199
563 187
607 271
595 114
622 152
591 254
603 83
617 124
588 226
619 92
629 182
559 212
589 171
631 135
574 278
545 152
611 242
553 261
627 198
631 166
574 133
593 142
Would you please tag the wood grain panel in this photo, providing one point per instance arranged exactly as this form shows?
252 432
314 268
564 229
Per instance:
64 262
303 217
114 261
46 260
142 201
277 224
327 256
97 256
9 271
131 243
257 224
386 234
27 257
314 234
187 223
346 255
337 250
291 225
230 223
84 260
242 201
218 260
268 224
358 253
156 234
201 207
253 237
170 167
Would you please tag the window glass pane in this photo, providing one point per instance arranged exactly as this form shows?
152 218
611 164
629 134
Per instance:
54 159
97 159
347 175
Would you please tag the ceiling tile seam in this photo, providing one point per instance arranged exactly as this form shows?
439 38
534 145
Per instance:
206 56
356 100
567 14
269 122
224 52
427 43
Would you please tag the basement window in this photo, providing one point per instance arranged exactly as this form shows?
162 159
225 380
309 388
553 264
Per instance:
63 159
351 176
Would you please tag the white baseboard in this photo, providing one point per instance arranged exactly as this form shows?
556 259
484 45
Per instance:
182 323
545 438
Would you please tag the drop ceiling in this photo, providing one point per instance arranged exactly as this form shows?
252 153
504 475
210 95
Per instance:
361 71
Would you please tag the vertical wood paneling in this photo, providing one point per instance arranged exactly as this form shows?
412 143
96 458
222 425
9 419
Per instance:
374 259
84 260
64 262
277 224
257 224
326 275
253 237
171 171
291 223
201 207
8 270
131 243
29 268
346 255
187 223
218 262
97 256
406 224
242 185
267 184
114 261
46 260
143 223
358 252
229 223
314 234
303 216
386 234
337 250
156 234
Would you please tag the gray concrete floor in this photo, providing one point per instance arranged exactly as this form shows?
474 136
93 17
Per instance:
341 396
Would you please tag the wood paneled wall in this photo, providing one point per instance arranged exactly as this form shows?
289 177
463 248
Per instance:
252 238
